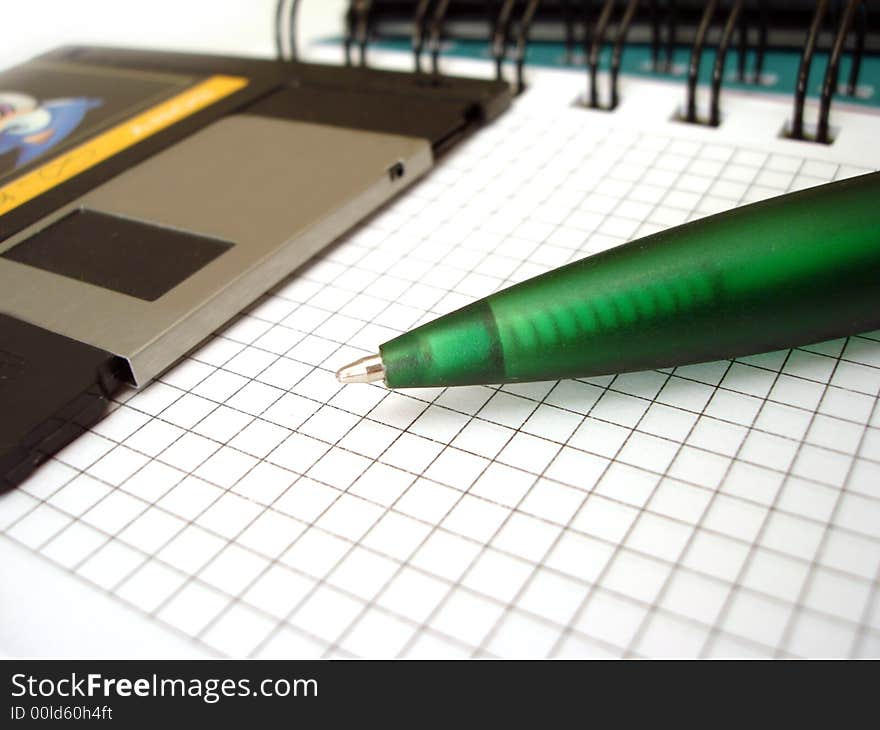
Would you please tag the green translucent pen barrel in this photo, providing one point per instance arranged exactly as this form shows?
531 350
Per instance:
800 268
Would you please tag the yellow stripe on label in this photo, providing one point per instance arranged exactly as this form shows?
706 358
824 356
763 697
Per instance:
114 140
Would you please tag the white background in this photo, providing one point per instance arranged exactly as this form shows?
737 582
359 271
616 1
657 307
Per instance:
224 26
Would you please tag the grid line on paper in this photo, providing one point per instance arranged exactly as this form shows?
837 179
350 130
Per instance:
539 518
867 496
174 504
799 376
639 633
862 634
404 563
789 626
642 627
586 599
342 558
232 541
531 577
770 597
789 438
481 552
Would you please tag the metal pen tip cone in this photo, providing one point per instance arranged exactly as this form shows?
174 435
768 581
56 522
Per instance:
366 370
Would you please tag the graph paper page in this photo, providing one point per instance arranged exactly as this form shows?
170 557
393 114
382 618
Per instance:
249 503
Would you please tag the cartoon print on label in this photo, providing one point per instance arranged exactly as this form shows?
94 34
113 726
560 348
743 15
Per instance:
32 127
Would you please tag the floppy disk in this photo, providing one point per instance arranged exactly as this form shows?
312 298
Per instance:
146 198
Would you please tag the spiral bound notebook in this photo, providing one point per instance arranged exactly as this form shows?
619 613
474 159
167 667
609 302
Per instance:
248 505
763 46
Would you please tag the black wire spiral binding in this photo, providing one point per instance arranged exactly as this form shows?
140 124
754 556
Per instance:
859 51
617 52
598 41
655 35
279 30
362 8
743 44
419 32
741 23
830 80
500 36
357 29
696 56
285 28
568 25
800 92
522 42
720 58
671 35
585 20
349 31
437 34
829 84
291 29
742 47
761 52
671 23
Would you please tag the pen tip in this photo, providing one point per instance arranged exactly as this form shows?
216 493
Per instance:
366 370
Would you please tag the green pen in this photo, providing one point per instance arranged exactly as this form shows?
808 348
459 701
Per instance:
799 268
